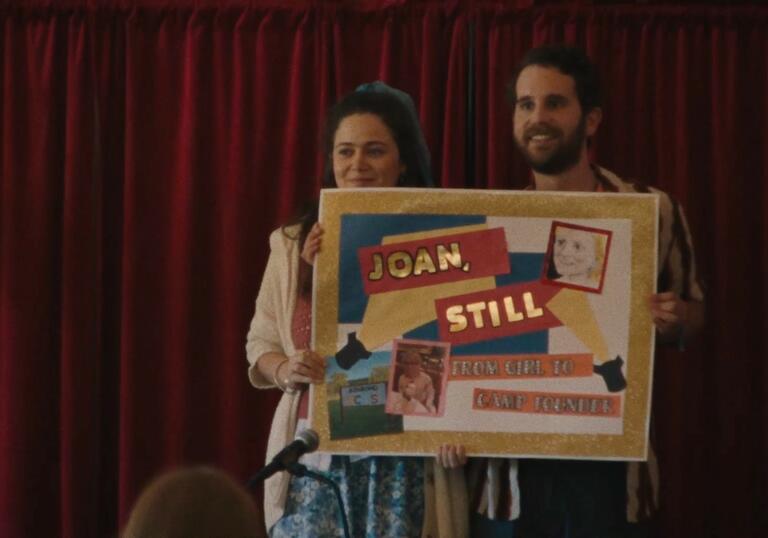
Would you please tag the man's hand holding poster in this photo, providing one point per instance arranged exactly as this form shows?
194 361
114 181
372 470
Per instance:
514 323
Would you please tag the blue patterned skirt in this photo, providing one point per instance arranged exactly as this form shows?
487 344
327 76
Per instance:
384 497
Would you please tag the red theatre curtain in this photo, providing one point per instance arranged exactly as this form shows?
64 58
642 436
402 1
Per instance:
51 297
219 144
685 110
147 152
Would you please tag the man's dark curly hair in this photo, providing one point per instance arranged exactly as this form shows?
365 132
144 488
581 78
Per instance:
570 61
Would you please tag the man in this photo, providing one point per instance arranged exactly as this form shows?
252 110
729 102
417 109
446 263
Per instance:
556 103
556 99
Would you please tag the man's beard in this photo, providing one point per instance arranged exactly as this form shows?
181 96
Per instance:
563 157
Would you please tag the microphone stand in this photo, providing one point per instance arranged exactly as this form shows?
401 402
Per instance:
297 469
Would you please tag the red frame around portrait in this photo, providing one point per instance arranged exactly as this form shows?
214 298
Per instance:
548 259
440 379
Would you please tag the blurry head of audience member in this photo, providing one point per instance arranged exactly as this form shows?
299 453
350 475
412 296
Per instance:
194 502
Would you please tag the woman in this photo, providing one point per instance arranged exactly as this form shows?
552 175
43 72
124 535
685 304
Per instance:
372 139
194 501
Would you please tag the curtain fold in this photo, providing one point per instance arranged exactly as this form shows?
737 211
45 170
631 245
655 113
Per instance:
219 147
49 278
81 239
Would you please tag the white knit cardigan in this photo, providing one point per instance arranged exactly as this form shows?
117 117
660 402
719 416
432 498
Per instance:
270 331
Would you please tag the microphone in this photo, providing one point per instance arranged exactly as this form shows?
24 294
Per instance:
306 441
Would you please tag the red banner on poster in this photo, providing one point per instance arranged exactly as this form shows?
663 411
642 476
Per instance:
433 260
489 314
547 403
521 366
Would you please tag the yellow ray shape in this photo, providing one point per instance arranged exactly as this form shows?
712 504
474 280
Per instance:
572 307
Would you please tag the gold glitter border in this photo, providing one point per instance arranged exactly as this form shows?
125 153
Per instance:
640 209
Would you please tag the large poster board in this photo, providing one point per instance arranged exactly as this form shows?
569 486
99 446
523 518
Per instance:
515 323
